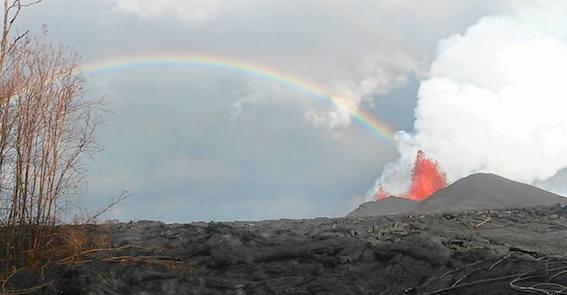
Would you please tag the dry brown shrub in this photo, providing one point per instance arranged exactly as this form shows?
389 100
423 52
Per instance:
47 130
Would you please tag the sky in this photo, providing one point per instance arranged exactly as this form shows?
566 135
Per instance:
196 142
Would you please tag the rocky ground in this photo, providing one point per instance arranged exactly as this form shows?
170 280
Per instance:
476 252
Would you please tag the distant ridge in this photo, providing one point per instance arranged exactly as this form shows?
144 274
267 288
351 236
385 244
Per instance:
389 206
488 191
477 191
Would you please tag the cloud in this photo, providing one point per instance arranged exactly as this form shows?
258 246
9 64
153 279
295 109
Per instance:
242 97
375 76
494 100
556 184
365 50
192 11
335 118
359 50
378 76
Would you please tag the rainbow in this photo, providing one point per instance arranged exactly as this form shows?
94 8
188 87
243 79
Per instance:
121 63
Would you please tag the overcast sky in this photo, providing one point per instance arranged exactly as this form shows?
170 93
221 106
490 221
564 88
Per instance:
202 143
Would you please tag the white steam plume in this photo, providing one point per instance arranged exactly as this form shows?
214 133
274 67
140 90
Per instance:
495 101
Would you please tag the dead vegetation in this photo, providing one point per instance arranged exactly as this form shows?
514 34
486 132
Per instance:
46 131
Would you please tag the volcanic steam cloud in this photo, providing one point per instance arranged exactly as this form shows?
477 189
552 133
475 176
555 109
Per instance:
494 100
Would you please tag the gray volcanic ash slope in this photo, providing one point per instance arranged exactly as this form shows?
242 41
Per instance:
477 191
389 206
487 191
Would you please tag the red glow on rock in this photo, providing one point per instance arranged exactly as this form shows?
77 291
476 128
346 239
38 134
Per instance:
381 194
427 178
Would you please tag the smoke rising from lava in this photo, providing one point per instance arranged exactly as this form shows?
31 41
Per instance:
495 101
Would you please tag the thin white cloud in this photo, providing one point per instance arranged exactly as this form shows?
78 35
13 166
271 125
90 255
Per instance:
242 98
334 118
193 11
379 75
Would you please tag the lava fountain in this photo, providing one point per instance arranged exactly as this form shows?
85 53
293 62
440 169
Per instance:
381 194
427 178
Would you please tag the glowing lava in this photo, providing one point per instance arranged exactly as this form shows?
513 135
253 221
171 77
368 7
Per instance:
381 194
427 178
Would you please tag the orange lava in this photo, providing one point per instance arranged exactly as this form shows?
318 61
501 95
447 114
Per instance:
427 178
381 194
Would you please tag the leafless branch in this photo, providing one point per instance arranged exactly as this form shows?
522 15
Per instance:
113 202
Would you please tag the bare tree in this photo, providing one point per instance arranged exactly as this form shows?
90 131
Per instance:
46 130
11 11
